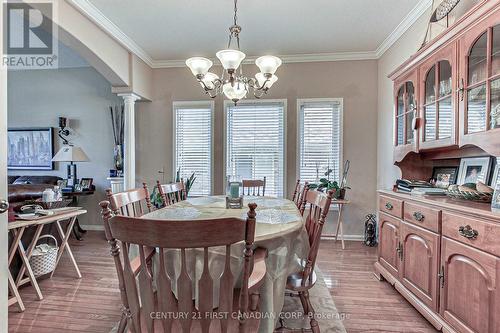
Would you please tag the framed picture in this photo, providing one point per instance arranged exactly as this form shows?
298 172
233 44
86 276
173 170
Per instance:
62 183
78 188
474 170
445 176
86 183
495 180
30 148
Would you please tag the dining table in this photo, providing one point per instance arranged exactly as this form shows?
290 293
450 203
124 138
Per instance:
279 229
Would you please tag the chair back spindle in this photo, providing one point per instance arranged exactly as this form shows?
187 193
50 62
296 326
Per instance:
163 235
253 187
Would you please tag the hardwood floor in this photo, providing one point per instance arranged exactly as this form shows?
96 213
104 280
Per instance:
92 304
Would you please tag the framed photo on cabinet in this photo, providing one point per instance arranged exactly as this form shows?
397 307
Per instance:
473 170
444 176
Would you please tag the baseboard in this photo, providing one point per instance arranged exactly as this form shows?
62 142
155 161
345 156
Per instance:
93 227
357 238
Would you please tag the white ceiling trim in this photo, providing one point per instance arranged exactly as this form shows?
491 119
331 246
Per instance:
287 59
402 27
93 13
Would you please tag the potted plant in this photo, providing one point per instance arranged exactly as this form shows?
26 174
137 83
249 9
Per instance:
325 184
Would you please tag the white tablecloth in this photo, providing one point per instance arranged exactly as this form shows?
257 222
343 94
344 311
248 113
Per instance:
280 229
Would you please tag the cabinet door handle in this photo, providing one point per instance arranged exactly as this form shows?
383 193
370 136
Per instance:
468 232
441 276
461 90
389 206
419 216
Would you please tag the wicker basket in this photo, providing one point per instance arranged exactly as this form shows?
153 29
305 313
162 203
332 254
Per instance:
44 257
469 195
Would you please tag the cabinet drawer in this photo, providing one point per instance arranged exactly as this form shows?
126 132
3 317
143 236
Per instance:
391 206
422 216
474 232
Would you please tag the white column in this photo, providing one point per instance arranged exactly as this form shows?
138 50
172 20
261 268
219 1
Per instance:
129 144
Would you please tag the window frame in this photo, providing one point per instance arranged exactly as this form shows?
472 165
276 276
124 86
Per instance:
177 104
284 101
302 101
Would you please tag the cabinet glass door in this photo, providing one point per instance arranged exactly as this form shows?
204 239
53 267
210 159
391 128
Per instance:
438 108
483 83
405 105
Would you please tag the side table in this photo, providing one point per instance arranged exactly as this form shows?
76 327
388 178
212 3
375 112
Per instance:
340 226
74 196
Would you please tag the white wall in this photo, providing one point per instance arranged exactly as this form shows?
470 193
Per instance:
38 98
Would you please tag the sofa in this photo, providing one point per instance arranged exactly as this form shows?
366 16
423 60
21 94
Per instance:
22 188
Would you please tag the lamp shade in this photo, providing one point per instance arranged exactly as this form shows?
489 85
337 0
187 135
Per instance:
262 79
70 154
230 59
268 64
199 65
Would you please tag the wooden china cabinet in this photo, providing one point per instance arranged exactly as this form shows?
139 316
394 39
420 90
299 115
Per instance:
441 254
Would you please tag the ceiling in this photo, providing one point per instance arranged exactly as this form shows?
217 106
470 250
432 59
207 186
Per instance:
173 30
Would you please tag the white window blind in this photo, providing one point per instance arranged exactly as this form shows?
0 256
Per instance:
193 144
256 143
320 139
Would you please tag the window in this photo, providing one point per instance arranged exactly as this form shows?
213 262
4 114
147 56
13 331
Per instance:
193 144
255 132
320 138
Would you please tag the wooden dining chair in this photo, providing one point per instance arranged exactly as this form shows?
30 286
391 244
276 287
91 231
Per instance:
135 202
142 302
132 203
253 187
299 283
299 193
171 193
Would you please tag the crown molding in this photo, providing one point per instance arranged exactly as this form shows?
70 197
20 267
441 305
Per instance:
402 27
94 14
287 59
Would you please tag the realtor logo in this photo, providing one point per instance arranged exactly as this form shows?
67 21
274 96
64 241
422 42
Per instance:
30 35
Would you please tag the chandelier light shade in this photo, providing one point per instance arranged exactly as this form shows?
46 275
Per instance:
265 82
268 64
208 80
232 83
230 59
199 65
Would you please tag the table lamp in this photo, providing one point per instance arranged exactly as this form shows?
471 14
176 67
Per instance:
71 154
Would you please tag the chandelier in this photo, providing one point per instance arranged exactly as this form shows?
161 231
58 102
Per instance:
232 81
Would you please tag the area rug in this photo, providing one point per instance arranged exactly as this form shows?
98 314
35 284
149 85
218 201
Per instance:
329 319
327 315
